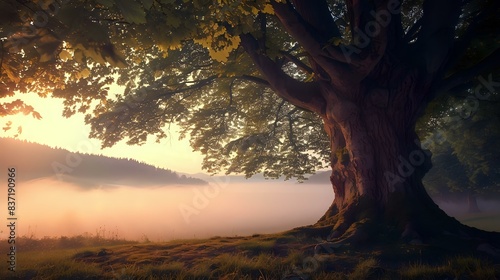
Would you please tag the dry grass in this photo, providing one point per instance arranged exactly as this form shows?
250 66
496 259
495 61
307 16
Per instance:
262 257
461 267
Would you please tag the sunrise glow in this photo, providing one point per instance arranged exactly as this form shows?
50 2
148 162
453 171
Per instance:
72 134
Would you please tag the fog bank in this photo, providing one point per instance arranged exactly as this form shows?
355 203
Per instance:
49 207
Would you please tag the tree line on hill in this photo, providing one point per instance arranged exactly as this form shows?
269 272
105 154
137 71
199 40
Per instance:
34 161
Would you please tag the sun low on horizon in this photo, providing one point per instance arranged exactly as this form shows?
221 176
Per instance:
72 134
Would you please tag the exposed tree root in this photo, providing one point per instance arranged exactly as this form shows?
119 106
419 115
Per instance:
361 227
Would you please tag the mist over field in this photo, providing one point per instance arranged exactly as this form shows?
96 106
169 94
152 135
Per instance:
49 207
121 198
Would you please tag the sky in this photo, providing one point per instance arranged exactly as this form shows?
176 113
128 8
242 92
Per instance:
72 134
223 207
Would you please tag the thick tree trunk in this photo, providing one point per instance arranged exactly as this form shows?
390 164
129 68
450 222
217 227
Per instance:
376 177
369 97
377 170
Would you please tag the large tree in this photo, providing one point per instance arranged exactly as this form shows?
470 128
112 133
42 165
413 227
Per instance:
279 87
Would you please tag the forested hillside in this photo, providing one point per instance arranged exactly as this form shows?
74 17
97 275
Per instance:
34 161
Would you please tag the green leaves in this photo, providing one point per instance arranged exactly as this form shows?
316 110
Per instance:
147 4
106 3
132 10
15 107
465 154
179 61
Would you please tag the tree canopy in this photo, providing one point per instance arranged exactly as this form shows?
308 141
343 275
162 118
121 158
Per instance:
235 75
282 87
465 155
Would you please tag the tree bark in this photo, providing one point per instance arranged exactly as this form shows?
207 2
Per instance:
377 168
370 100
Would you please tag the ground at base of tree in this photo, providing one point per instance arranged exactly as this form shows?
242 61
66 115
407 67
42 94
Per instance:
288 255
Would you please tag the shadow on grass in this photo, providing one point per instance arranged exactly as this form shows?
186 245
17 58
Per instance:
264 257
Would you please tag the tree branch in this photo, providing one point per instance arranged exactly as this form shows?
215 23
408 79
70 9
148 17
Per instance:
277 118
477 24
373 27
329 57
437 33
300 94
344 64
413 31
2 50
489 63
254 79
316 14
291 134
169 93
297 62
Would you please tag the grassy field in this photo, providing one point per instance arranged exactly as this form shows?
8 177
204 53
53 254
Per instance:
288 255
